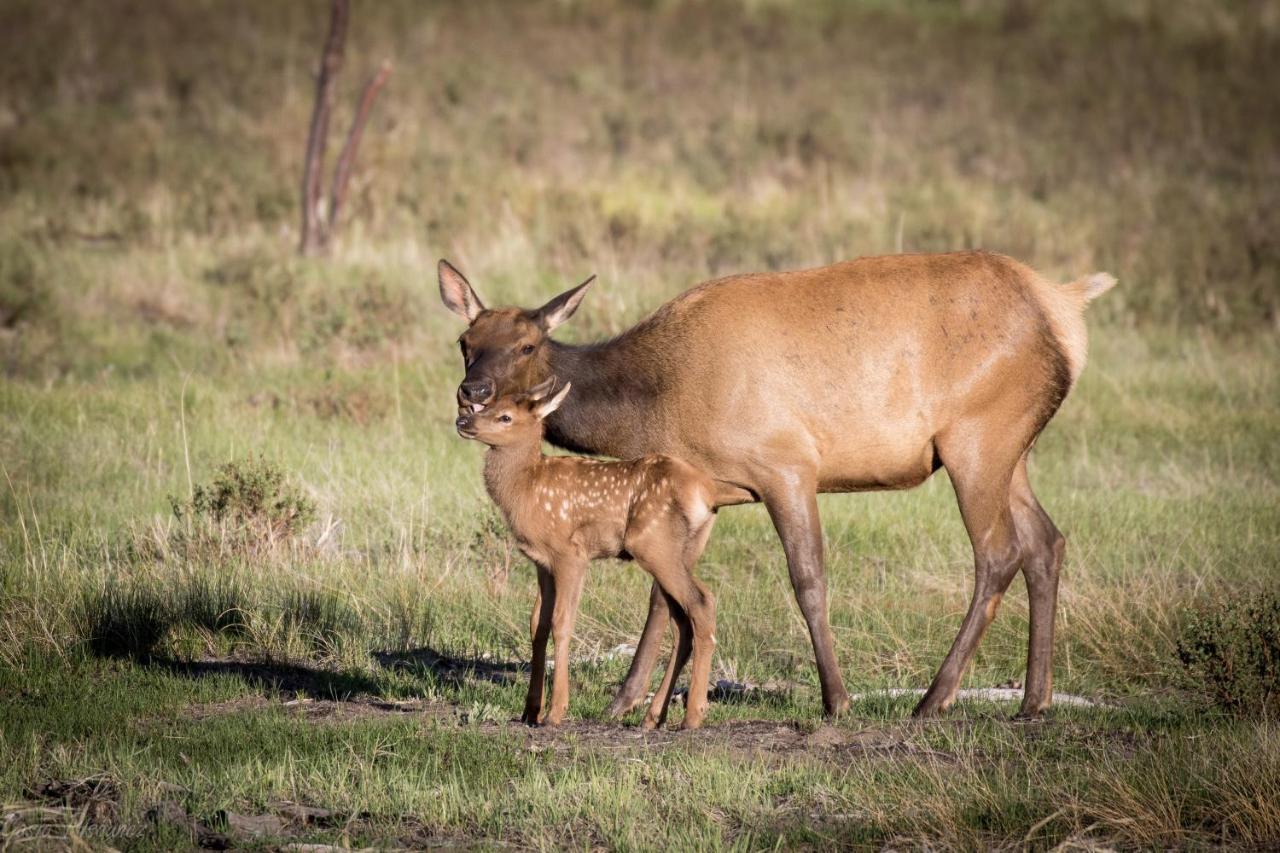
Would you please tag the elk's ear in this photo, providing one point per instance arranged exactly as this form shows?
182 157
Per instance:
541 410
542 389
562 307
456 292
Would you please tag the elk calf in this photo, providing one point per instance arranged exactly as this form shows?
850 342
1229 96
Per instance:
567 511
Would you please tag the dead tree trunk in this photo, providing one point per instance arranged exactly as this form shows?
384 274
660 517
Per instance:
313 236
342 172
317 228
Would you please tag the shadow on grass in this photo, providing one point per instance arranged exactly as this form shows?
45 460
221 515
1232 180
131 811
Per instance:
450 670
285 679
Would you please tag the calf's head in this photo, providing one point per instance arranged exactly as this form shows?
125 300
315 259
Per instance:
504 350
513 419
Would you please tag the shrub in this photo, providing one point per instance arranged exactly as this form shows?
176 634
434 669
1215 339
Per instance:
249 504
23 294
1231 653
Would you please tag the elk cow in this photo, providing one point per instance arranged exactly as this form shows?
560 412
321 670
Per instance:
567 511
867 374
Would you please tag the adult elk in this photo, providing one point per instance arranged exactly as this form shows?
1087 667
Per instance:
867 374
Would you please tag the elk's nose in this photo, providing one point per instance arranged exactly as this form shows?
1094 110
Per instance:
477 392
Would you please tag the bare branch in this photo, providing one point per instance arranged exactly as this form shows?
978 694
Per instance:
346 160
313 230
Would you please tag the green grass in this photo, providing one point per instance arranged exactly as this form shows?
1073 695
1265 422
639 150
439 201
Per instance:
156 325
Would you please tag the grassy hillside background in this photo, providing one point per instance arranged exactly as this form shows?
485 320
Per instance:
156 324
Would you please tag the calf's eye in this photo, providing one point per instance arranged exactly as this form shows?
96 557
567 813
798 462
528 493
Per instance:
506 419
527 349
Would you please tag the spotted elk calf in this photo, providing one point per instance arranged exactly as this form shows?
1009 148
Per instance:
567 511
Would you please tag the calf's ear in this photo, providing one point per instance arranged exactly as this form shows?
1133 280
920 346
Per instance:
546 407
542 389
456 292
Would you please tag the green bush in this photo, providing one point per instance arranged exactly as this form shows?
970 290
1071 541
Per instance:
1231 653
23 295
249 504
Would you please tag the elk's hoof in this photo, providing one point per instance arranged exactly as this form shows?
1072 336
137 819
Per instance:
620 707
1033 712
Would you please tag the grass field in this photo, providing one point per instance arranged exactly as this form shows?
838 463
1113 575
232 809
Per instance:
165 679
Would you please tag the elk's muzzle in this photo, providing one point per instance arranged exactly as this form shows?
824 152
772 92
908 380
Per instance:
475 394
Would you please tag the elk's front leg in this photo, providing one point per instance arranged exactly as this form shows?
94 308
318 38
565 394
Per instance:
638 678
793 505
568 585
539 631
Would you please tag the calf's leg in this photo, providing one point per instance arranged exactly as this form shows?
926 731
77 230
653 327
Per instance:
636 685
539 631
568 580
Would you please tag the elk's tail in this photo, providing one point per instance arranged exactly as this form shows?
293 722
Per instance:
1064 306
1090 287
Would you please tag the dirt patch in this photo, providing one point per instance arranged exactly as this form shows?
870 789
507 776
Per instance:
746 739
328 710
749 740
286 822
96 798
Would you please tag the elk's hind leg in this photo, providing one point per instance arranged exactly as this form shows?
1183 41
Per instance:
1043 549
980 464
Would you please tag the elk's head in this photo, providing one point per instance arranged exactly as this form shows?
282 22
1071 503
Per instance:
514 419
504 350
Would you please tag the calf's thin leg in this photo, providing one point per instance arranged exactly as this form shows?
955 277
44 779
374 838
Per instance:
539 631
701 609
656 716
636 685
568 580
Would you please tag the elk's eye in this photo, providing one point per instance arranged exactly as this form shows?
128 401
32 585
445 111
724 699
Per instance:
506 419
527 349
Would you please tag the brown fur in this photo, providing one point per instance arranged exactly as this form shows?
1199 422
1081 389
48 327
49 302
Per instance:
867 374
567 511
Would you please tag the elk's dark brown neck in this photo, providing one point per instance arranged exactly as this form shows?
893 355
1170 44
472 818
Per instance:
613 407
